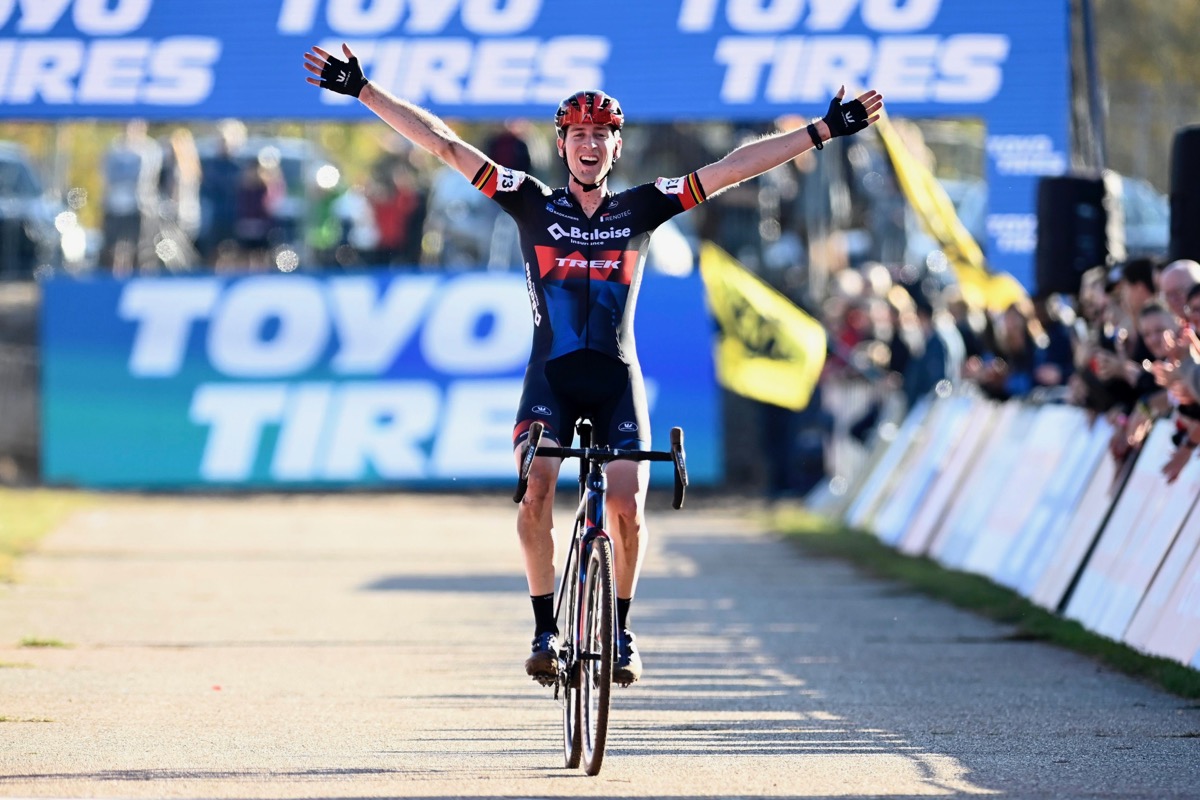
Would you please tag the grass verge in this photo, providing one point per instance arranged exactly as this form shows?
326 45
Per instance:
26 515
825 537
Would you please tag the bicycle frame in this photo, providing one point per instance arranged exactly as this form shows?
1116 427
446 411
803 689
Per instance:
589 518
585 677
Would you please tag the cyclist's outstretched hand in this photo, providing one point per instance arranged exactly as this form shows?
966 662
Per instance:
844 119
343 77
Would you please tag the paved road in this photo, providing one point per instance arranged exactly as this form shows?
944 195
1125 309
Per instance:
371 646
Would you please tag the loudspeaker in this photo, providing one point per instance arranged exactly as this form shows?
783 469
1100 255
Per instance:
1185 195
1080 225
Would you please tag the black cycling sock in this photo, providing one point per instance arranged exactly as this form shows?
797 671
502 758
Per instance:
623 613
543 614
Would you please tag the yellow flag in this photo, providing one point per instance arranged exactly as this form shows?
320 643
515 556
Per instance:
767 348
935 211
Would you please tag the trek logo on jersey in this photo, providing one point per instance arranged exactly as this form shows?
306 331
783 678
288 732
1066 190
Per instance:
581 263
627 427
558 264
577 234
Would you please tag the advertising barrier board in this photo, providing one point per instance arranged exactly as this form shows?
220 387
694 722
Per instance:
303 381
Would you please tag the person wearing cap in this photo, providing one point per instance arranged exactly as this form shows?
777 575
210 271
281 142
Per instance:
584 249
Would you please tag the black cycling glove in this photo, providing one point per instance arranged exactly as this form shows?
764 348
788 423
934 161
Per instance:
844 119
343 77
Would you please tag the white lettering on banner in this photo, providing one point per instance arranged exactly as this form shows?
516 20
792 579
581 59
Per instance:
451 341
1014 233
964 68
273 326
174 71
778 16
236 415
117 73
503 69
300 434
340 432
237 340
94 17
483 448
457 71
1026 155
372 331
164 311
381 425
363 17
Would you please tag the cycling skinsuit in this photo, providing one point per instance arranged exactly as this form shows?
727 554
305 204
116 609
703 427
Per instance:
582 275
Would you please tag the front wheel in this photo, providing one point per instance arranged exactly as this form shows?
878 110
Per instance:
568 613
598 604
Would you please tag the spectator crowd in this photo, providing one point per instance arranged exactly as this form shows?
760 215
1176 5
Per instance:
1125 348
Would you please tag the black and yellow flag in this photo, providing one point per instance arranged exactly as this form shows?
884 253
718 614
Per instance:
935 211
767 349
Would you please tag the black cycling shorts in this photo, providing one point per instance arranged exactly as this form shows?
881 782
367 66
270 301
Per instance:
585 384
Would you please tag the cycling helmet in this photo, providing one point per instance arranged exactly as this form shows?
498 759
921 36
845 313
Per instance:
593 107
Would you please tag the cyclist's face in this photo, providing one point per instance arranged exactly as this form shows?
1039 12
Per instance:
590 150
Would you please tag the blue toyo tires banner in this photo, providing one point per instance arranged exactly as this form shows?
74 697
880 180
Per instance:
1005 62
297 381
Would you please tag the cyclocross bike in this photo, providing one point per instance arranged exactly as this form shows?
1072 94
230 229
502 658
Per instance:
586 606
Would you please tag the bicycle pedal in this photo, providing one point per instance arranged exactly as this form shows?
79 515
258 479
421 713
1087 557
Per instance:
545 680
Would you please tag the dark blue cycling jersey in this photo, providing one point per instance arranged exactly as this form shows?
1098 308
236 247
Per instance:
583 273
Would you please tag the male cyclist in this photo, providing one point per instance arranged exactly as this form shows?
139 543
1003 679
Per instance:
584 248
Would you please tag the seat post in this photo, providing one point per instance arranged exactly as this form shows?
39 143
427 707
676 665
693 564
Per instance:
584 429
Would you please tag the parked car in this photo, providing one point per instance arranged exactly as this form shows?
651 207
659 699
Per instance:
1147 218
29 218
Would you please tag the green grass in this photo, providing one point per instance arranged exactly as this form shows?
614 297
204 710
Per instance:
37 642
824 537
26 515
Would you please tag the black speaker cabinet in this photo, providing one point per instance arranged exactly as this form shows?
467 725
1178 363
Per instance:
1185 194
1080 226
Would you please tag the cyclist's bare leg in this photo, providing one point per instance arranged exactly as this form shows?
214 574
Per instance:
535 523
625 502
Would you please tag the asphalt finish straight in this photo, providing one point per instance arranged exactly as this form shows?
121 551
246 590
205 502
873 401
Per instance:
372 646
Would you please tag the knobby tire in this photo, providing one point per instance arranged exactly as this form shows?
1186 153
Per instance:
599 618
568 613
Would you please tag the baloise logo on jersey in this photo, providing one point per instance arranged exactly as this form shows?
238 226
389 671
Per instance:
578 235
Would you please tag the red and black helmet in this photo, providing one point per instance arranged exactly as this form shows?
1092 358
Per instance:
590 107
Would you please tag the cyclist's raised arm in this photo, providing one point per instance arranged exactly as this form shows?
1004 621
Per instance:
769 152
414 123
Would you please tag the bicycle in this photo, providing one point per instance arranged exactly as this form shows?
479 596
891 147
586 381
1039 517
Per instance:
586 597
